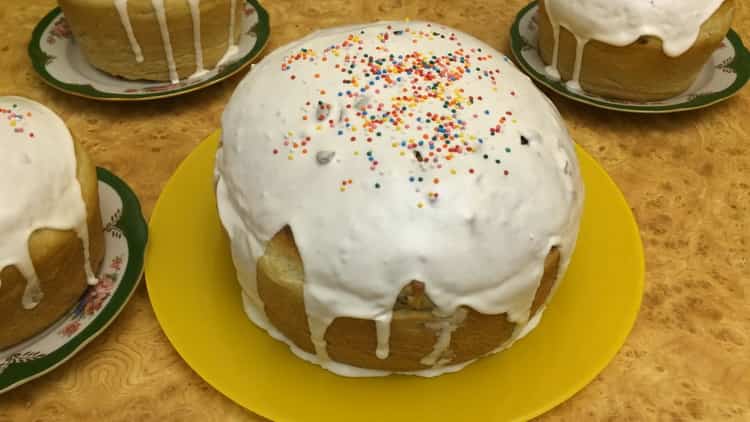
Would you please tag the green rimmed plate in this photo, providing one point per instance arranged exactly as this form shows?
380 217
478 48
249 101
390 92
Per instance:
57 58
723 76
125 234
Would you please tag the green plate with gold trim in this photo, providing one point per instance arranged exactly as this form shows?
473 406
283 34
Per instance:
125 234
57 58
723 76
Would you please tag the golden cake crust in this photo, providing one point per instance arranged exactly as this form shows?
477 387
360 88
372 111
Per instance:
353 341
59 262
640 71
97 27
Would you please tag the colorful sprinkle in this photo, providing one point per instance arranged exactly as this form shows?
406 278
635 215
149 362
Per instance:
413 79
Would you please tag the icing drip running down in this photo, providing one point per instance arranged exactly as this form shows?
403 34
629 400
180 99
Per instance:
445 328
195 14
396 152
39 188
621 22
161 17
122 10
233 49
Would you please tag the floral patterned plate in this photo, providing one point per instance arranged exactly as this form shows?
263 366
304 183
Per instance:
125 235
724 75
57 58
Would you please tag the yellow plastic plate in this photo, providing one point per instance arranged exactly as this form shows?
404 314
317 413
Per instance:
192 285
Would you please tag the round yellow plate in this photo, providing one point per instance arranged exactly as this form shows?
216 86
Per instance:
192 285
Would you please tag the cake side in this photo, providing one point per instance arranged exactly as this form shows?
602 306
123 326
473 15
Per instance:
415 328
141 39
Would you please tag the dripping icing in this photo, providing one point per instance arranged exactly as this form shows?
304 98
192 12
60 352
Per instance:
37 148
622 22
195 14
256 314
340 239
383 335
122 10
161 17
445 328
160 12
232 48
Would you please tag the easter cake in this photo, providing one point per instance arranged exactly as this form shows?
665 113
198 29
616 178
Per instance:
399 198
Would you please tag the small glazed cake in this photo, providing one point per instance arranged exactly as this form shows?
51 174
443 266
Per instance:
161 40
52 238
631 49
398 198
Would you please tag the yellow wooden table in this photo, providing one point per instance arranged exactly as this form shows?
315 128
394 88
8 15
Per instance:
687 177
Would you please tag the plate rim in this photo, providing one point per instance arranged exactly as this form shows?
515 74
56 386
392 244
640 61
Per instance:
134 227
38 58
606 358
740 64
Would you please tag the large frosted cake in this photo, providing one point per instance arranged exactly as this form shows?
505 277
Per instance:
398 197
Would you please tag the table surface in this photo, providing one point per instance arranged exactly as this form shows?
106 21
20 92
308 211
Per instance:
685 177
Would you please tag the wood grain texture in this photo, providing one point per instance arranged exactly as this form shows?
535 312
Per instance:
685 176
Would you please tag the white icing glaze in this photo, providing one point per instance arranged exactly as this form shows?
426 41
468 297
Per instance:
161 17
39 188
383 334
122 10
232 48
509 192
445 328
195 14
621 22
